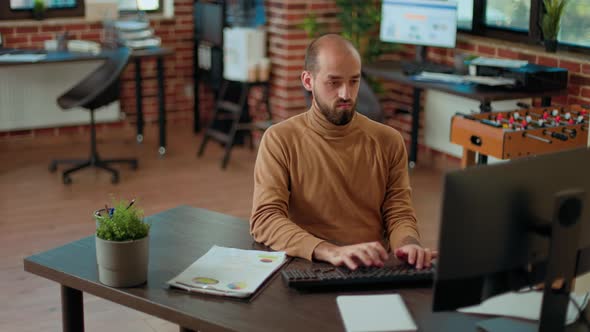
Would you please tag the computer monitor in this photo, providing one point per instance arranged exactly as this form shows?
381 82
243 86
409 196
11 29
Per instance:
209 22
511 225
419 22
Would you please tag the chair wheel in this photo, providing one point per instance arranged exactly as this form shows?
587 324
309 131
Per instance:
67 179
115 179
52 167
134 165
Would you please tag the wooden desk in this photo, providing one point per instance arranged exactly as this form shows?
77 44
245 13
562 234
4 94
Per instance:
392 71
181 235
136 56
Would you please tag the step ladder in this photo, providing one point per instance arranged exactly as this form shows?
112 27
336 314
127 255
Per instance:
231 122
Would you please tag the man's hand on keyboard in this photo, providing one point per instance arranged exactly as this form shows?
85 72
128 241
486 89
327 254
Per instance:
353 256
415 255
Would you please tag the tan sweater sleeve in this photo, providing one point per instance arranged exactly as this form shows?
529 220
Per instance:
398 213
270 223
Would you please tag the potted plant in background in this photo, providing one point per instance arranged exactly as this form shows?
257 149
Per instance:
360 22
550 22
39 9
122 245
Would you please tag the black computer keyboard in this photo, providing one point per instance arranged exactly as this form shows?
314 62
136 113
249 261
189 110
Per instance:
414 68
341 277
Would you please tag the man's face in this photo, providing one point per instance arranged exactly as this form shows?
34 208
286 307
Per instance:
335 85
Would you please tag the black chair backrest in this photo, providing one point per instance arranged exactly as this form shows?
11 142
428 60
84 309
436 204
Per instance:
99 88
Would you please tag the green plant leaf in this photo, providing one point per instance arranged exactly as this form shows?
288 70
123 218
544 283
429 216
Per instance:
125 224
550 22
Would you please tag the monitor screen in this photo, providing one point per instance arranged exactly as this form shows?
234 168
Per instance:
419 22
501 224
209 23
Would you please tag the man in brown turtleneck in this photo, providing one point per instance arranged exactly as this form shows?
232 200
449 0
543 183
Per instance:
330 184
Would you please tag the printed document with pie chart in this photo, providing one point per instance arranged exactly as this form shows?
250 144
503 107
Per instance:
229 271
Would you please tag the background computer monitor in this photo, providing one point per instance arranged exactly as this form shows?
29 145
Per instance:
419 22
498 231
209 22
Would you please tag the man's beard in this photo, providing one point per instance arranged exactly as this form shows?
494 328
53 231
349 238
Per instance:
332 114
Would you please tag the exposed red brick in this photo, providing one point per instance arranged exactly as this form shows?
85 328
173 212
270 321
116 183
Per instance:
572 67
439 51
577 100
95 36
486 50
546 61
529 57
275 4
316 6
13 40
77 27
51 28
586 69
585 92
167 23
465 46
573 90
507 54
559 100
7 31
295 6
183 10
579 79
41 37
26 29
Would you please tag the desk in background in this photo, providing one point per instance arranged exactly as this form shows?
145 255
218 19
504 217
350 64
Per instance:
392 71
177 238
136 56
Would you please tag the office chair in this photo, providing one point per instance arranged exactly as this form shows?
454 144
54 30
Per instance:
98 89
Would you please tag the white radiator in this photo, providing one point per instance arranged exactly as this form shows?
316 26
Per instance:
28 95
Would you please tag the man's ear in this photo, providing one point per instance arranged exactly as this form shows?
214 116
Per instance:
307 80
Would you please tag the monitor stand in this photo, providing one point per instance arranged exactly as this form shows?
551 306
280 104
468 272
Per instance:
421 54
421 64
561 266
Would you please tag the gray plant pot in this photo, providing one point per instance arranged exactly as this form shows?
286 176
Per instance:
122 264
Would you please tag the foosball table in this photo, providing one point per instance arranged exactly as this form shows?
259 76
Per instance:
520 133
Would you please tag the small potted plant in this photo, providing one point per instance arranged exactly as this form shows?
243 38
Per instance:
550 22
39 9
122 245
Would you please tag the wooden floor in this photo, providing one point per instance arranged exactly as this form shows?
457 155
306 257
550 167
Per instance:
38 212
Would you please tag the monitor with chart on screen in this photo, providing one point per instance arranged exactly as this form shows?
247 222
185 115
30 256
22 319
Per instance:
419 22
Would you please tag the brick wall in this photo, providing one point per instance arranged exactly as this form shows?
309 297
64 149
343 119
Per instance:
176 33
286 47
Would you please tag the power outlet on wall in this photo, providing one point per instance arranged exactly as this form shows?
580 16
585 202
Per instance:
188 90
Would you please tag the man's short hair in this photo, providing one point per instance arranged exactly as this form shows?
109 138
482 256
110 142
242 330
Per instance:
311 53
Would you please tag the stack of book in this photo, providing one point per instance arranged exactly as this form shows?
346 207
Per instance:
135 34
